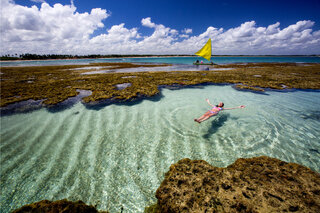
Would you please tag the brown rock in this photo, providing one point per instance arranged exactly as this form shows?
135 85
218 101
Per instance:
259 184
65 206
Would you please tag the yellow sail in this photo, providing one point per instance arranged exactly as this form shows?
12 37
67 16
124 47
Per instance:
205 51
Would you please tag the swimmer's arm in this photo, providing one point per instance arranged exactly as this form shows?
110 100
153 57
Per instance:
209 102
239 107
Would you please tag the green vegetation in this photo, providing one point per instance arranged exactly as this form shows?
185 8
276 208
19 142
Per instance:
57 83
29 56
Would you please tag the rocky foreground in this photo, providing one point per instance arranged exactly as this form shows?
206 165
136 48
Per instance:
260 184
64 206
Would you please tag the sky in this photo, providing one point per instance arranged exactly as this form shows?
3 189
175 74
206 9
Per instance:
236 27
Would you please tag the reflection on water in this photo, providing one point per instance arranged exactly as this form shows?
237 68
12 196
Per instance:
180 67
116 155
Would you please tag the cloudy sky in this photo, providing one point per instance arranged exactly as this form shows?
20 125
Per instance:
159 27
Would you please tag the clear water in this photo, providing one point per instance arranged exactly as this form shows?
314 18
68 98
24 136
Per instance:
117 156
169 60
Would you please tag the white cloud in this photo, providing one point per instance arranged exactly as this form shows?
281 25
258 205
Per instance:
241 34
294 30
118 38
184 36
160 40
273 29
61 29
46 27
147 22
187 31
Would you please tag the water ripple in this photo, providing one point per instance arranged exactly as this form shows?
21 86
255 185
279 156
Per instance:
117 156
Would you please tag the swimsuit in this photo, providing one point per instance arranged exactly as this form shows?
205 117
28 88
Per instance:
212 112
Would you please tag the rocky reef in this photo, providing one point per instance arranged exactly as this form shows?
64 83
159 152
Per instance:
259 184
57 206
55 84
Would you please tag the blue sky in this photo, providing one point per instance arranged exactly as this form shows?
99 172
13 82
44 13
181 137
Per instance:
199 14
165 21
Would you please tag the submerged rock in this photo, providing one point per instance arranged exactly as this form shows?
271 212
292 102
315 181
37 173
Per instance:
123 86
259 184
46 206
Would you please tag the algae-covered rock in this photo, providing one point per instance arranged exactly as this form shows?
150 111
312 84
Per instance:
260 184
55 84
65 206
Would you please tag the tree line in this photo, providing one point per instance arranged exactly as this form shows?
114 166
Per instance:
29 56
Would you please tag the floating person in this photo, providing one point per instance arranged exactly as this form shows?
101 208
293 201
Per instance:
197 61
214 111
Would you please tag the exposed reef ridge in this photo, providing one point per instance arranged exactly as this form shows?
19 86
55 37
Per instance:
55 84
259 184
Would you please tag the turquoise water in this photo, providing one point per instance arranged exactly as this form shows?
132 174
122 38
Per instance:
170 60
117 156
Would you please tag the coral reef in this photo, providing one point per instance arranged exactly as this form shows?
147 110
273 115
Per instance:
65 206
259 184
54 84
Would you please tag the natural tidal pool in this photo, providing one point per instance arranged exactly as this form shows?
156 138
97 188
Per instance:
116 156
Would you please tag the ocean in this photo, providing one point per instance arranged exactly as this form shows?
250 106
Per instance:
116 156
169 60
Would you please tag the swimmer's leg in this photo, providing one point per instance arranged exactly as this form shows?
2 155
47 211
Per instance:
209 115
202 117
205 118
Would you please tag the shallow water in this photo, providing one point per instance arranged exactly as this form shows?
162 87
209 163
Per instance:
179 67
117 156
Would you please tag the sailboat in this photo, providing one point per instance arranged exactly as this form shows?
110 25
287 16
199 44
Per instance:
205 52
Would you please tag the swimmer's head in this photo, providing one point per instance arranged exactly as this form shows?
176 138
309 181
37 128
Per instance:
221 104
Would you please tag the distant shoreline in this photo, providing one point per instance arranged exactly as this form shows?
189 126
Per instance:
152 56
